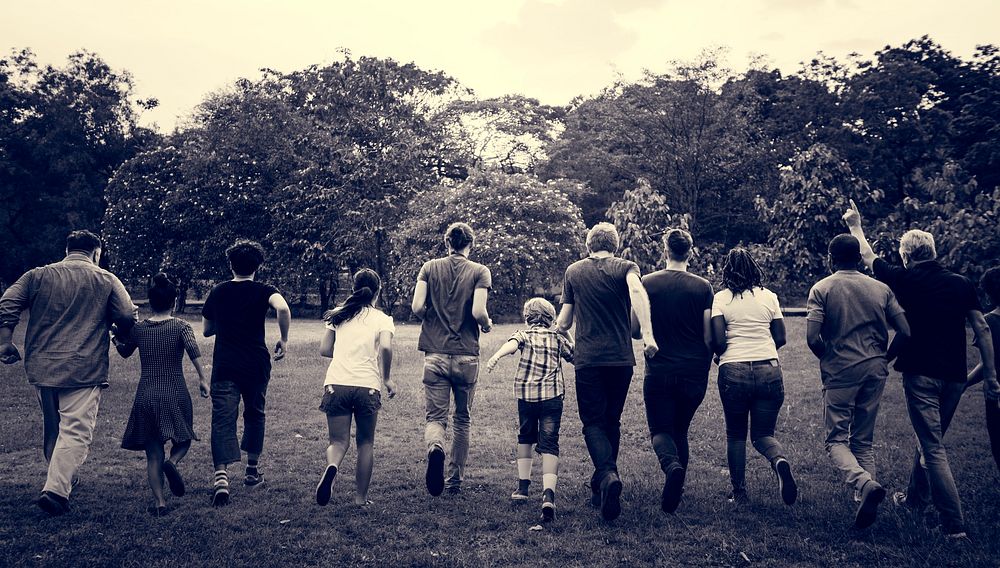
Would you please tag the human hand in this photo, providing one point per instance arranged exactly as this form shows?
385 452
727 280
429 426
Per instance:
852 218
491 364
279 349
649 347
205 389
9 354
390 388
991 388
488 327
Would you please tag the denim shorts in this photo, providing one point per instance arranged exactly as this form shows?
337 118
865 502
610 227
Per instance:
341 400
539 424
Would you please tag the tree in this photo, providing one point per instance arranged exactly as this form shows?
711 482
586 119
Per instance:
642 217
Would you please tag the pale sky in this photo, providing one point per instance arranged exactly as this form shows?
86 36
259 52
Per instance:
552 50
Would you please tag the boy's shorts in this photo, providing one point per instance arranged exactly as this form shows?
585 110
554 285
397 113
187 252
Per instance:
341 400
539 424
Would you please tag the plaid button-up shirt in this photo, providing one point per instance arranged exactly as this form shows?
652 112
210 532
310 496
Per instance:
539 372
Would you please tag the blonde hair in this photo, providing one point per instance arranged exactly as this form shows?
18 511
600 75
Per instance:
539 311
918 245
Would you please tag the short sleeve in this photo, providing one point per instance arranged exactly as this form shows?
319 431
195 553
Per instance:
709 297
422 275
775 306
567 291
189 341
717 304
519 337
387 324
267 291
330 326
628 266
885 272
208 309
816 305
892 307
485 278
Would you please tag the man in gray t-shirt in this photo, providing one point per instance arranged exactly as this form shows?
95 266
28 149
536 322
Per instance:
848 321
450 298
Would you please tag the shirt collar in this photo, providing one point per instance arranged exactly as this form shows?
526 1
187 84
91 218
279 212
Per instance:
77 255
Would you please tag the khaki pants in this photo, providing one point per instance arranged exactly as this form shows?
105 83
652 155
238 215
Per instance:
850 424
73 412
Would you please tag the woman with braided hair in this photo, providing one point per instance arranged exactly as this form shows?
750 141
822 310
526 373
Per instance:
747 330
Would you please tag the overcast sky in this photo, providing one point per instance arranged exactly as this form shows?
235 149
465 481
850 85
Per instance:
549 49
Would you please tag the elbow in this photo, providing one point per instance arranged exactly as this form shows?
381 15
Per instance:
480 314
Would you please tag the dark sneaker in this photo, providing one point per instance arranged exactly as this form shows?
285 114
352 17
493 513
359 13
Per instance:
548 506
739 497
325 487
595 498
611 492
253 479
435 471
53 504
872 494
673 486
521 494
157 511
174 479
786 483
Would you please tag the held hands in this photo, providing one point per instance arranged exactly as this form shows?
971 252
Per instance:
279 349
852 218
9 354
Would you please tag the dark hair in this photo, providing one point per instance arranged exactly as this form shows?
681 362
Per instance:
83 241
741 273
845 250
366 285
245 257
679 244
162 292
991 285
458 236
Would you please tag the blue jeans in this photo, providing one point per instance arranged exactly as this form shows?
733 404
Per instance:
225 412
931 404
538 423
600 395
754 390
446 376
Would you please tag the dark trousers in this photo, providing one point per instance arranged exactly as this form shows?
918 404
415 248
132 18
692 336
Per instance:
993 427
671 401
755 391
226 397
600 394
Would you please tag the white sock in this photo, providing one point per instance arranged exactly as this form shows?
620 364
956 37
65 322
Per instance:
549 481
524 468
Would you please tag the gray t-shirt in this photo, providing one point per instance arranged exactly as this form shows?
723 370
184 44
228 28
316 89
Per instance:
602 310
854 311
448 326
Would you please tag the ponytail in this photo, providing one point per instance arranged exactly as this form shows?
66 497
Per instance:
366 286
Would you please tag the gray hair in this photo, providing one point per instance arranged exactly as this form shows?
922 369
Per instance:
918 245
603 236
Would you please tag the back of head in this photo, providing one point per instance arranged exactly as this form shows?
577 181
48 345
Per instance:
917 245
82 241
458 237
162 293
991 285
845 251
603 237
741 272
245 257
679 244
363 292
539 311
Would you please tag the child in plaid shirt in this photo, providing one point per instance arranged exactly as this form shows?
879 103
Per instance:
539 389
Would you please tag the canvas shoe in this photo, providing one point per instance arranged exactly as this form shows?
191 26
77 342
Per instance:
872 494
673 486
435 471
548 505
611 492
521 494
786 483
325 487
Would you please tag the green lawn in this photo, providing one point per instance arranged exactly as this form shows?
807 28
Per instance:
280 524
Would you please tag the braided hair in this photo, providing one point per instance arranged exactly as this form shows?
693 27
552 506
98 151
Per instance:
365 288
741 273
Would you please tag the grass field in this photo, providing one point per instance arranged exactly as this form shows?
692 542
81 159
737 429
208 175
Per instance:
280 524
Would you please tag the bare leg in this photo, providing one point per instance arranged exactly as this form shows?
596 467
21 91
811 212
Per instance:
154 471
340 438
365 438
178 450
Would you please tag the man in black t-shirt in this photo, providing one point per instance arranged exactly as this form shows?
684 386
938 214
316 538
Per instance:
938 304
680 306
234 312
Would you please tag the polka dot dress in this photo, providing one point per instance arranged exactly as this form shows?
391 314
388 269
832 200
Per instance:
162 407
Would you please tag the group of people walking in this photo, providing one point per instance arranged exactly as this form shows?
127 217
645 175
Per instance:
682 324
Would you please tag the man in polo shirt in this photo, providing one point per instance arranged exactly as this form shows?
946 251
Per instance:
848 321
938 304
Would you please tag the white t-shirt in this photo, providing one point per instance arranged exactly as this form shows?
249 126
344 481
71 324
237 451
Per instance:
355 350
748 324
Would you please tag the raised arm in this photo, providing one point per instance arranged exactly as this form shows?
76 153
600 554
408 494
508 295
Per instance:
984 342
640 304
852 218
284 313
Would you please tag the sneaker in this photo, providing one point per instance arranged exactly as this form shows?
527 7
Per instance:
673 485
595 498
786 483
548 506
220 494
53 504
325 486
738 497
435 471
872 494
174 479
253 478
157 511
521 494
611 492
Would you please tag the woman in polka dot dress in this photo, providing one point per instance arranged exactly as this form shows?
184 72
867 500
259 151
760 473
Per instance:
162 408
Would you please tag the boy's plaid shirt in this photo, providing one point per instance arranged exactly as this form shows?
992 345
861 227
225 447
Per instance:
539 372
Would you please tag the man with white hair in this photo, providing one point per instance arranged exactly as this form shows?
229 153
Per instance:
938 304
600 292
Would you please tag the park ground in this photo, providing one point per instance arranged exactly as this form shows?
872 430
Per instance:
279 524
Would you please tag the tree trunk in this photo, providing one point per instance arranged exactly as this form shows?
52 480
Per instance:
182 290
324 296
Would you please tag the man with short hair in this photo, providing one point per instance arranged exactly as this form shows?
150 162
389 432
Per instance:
599 293
938 304
235 312
676 379
848 321
73 304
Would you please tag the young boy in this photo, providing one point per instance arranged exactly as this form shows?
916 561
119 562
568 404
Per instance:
234 312
991 285
539 388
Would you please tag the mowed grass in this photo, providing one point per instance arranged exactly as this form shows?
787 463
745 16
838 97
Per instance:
280 524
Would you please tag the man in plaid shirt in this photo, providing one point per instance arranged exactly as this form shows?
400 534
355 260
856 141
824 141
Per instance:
539 389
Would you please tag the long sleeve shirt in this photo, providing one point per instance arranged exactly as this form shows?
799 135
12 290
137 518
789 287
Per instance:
72 305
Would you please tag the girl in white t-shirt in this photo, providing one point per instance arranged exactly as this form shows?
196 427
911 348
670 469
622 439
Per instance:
747 330
359 339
